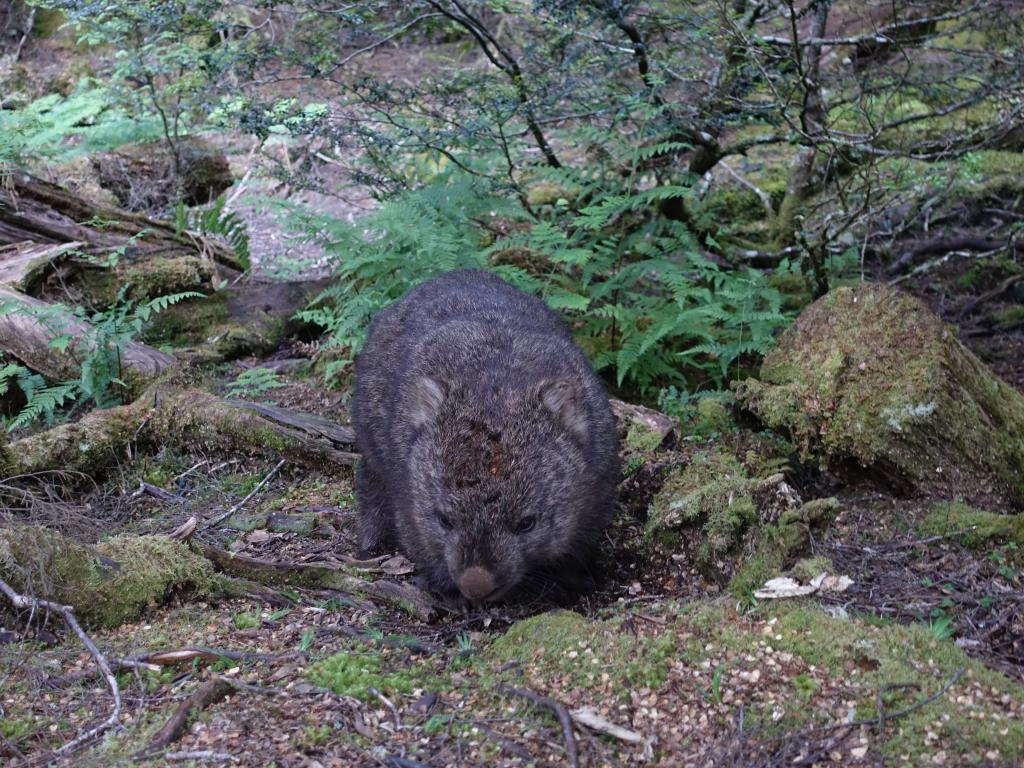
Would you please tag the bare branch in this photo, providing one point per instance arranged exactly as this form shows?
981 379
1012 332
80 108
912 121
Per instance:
20 602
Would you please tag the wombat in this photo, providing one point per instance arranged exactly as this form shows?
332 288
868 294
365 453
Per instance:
489 449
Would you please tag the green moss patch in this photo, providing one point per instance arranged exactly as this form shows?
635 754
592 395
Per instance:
979 714
189 322
350 673
791 666
712 491
870 381
974 528
566 648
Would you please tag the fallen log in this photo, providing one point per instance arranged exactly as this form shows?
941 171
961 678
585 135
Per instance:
188 418
60 242
28 326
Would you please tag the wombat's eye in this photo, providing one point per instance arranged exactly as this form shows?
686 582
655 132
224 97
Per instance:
445 521
527 524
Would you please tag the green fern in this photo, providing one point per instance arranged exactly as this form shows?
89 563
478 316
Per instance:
43 127
44 403
254 383
99 354
217 220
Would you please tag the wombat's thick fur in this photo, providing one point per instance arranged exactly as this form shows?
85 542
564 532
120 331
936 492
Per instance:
489 450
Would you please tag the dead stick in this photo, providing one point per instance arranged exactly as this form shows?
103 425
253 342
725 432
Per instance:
389 705
23 601
406 597
189 653
209 693
243 502
559 711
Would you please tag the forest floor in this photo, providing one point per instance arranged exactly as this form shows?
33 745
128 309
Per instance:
919 662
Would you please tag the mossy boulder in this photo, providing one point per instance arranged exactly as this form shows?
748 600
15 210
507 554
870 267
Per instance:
107 584
870 383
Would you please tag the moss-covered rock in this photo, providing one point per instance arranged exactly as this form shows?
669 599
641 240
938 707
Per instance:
870 381
988 175
915 656
712 492
108 584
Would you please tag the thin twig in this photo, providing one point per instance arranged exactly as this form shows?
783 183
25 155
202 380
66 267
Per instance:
559 710
389 705
114 720
224 516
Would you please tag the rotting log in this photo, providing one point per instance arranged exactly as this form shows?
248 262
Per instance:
189 418
36 210
153 255
22 264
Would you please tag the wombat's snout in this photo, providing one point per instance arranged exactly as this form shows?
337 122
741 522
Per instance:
476 583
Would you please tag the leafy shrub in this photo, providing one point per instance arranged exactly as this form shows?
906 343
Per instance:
41 128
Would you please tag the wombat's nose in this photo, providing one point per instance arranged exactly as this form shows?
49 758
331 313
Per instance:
476 583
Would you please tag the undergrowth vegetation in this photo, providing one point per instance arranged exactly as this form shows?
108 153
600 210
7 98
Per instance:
640 295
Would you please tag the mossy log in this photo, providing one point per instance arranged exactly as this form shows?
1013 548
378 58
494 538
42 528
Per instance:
189 418
870 382
107 584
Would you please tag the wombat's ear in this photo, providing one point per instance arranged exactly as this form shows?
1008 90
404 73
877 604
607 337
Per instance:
562 399
428 394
